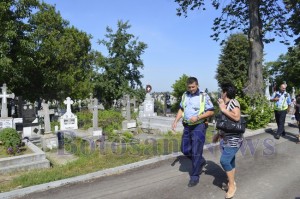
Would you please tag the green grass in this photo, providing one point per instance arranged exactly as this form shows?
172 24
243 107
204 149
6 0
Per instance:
95 160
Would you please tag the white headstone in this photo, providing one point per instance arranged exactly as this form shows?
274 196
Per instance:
68 120
4 96
267 92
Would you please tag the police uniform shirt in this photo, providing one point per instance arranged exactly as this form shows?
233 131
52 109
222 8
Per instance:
284 100
192 104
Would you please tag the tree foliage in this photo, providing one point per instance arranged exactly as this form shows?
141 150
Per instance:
234 61
179 87
261 20
287 68
47 58
119 72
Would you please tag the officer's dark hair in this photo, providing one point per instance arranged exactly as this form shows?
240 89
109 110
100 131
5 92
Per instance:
229 89
192 80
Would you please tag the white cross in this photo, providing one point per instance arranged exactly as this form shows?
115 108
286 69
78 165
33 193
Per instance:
4 94
68 102
4 97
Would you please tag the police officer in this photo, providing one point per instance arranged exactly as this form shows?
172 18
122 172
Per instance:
195 107
282 101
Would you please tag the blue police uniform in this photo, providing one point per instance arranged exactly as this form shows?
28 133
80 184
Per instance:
280 110
193 137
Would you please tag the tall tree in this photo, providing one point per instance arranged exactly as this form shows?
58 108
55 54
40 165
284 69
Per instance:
47 58
120 70
15 43
255 18
234 62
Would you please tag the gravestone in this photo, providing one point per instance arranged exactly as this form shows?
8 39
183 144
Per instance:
30 123
68 120
128 123
267 91
5 121
45 113
147 108
293 97
94 107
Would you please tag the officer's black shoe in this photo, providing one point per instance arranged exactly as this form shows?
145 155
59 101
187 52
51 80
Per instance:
277 137
283 133
193 183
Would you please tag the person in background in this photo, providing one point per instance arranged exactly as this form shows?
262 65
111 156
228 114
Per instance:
230 143
195 107
297 114
282 101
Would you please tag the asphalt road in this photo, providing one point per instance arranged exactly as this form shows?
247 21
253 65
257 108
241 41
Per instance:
266 168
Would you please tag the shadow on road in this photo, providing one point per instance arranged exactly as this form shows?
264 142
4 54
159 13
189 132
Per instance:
211 169
288 136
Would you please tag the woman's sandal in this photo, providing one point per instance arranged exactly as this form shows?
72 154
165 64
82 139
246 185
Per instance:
230 195
298 139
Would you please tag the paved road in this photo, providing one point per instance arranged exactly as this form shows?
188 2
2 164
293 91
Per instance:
267 168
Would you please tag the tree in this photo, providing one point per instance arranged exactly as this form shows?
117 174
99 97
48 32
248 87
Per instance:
48 59
287 68
15 43
179 87
119 72
255 18
234 62
294 20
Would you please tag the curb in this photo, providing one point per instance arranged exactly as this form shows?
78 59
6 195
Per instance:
43 187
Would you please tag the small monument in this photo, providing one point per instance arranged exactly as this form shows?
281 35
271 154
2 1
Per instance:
128 123
5 121
147 109
68 120
293 97
267 91
94 107
45 113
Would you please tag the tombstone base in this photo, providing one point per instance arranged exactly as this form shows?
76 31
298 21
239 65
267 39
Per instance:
6 122
49 141
128 124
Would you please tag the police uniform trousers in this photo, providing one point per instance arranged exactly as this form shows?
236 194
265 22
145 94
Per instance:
280 120
192 143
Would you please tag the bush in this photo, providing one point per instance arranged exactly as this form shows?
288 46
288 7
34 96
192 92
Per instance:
11 140
259 110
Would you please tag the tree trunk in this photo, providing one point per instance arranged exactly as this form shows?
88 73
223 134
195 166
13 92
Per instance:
255 78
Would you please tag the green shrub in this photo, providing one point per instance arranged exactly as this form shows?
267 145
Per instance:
10 139
84 119
258 109
110 120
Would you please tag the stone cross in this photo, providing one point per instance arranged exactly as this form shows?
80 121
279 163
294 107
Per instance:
4 96
45 113
94 108
68 102
128 114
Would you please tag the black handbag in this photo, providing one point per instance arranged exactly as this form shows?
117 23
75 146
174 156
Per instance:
229 126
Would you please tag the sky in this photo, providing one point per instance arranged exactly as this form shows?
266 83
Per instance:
176 45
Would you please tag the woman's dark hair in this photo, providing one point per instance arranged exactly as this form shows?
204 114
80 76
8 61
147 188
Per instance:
229 89
191 80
